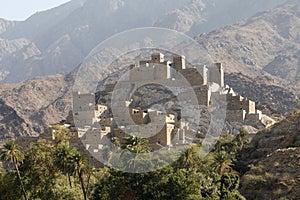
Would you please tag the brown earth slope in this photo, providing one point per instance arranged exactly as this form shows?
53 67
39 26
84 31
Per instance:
276 177
274 155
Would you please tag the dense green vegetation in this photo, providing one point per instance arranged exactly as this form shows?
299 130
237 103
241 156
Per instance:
55 170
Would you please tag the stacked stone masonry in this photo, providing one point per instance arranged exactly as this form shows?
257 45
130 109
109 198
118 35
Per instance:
201 82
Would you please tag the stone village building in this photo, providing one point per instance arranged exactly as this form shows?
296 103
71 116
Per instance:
97 121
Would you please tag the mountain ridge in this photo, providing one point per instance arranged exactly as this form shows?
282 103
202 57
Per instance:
65 35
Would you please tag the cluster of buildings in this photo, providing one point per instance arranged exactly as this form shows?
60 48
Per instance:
94 123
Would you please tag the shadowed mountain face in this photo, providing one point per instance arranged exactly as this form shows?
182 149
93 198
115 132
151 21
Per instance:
11 124
57 40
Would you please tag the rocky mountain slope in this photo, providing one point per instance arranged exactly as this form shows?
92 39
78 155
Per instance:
282 135
59 39
206 15
275 155
11 124
276 177
27 108
266 45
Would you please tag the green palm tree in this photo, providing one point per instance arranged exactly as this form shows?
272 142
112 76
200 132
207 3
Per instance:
136 144
222 162
188 159
241 140
135 155
12 154
61 134
80 165
63 155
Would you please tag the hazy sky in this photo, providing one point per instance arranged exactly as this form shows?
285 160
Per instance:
22 9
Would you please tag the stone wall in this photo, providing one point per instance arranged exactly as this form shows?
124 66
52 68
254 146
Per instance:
216 74
234 102
193 76
162 71
141 73
235 115
84 118
179 63
249 106
158 58
139 116
203 94
83 102
253 119
163 137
